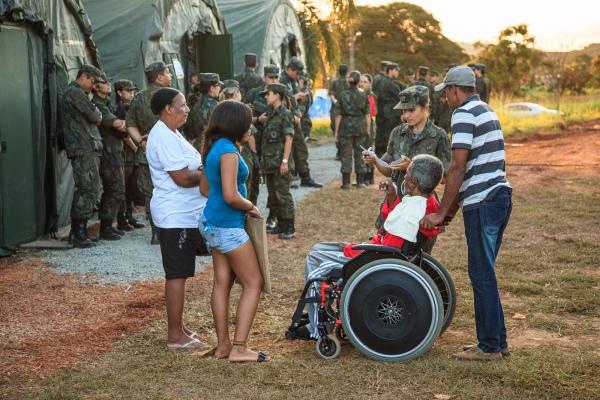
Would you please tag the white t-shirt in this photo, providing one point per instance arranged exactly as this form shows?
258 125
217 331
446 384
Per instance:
172 206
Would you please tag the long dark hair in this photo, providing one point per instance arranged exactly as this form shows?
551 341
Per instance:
230 119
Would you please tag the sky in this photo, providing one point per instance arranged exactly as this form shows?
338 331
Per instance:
557 25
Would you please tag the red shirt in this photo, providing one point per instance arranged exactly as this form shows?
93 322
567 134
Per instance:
387 239
373 106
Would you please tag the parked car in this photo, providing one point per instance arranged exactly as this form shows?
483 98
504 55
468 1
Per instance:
529 110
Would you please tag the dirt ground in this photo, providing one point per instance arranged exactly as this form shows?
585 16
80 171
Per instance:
50 321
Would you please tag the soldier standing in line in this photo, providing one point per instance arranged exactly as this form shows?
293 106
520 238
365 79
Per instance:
289 78
409 77
276 149
125 90
366 83
442 111
140 121
260 108
83 145
422 80
417 136
379 76
481 83
351 128
113 131
206 97
389 95
249 79
336 88
304 105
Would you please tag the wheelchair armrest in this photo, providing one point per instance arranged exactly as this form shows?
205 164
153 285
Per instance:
379 248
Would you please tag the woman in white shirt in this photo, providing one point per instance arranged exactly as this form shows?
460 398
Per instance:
175 167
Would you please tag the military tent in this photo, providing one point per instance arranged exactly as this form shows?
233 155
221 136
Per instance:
189 34
43 43
269 28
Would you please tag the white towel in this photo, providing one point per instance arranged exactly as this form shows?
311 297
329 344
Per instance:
405 218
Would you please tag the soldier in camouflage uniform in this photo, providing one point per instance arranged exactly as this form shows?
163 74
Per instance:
208 96
125 90
387 117
442 114
248 79
305 121
351 128
417 136
366 84
83 145
259 106
336 88
276 149
140 120
422 80
113 131
409 77
379 77
289 78
481 83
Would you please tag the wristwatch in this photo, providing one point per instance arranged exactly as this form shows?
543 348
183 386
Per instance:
284 161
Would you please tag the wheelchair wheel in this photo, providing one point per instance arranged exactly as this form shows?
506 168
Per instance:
328 347
391 310
442 279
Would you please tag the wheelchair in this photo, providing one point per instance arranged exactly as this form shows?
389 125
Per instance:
390 303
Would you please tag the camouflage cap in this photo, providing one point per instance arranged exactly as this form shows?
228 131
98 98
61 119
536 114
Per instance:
152 70
423 69
384 64
250 59
412 97
210 77
480 67
90 70
296 63
125 84
103 78
392 65
230 83
271 70
275 88
409 71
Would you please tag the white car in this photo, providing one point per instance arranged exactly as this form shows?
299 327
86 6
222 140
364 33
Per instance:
528 110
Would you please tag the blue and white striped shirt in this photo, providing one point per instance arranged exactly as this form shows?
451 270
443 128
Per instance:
475 127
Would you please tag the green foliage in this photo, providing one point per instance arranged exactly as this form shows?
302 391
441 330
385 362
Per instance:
509 61
404 33
577 74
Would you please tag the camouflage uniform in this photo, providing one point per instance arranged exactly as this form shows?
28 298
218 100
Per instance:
198 119
112 163
441 113
129 161
248 80
353 106
305 121
481 89
335 89
83 144
140 116
388 118
279 123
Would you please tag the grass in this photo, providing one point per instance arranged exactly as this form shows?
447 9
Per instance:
321 130
548 271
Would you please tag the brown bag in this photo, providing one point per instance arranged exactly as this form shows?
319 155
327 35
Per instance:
257 230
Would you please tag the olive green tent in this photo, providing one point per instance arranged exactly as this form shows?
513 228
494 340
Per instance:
268 28
189 34
43 43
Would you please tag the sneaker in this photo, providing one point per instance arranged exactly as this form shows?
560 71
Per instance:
474 354
505 352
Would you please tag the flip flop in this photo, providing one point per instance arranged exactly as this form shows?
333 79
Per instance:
186 346
207 352
262 357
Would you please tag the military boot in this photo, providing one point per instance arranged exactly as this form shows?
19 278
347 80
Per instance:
345 181
154 239
310 182
106 230
122 223
132 221
287 229
78 235
277 228
360 181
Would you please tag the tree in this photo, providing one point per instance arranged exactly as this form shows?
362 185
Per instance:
509 61
404 33
577 74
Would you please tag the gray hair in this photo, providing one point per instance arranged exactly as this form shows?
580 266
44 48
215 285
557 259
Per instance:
426 171
228 93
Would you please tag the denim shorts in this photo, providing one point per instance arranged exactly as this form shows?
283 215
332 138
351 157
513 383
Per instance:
222 239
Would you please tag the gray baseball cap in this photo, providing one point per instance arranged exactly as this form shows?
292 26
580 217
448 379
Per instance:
459 76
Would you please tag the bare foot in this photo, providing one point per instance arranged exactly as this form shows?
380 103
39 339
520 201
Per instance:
222 351
241 354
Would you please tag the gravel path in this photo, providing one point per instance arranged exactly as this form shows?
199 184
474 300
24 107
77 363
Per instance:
132 258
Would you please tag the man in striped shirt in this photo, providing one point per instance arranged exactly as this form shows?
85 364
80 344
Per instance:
477 184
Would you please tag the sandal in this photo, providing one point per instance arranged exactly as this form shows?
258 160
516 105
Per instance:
191 345
261 357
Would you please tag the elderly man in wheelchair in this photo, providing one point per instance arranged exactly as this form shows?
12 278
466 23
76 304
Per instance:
387 297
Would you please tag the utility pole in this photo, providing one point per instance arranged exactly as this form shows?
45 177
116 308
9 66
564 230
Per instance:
352 35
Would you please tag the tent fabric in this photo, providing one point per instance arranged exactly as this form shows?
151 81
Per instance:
267 28
134 33
66 30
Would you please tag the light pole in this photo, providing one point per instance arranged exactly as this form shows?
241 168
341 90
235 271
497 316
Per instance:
353 37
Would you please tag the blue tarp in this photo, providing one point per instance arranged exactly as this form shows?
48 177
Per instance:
320 106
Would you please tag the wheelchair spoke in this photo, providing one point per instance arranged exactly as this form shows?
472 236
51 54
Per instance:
390 310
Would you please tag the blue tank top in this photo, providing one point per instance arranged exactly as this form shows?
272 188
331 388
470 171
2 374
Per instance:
217 211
